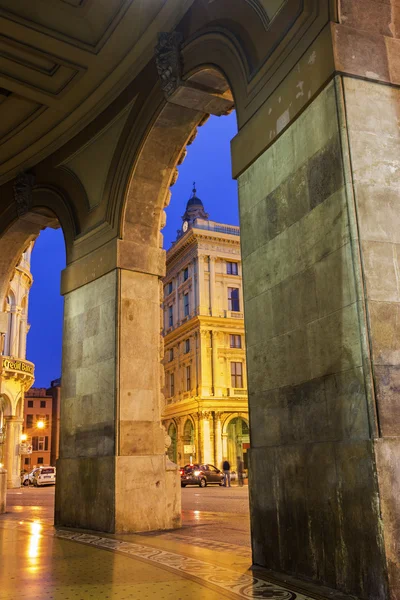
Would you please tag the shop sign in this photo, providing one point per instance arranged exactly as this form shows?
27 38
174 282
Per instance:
188 449
18 365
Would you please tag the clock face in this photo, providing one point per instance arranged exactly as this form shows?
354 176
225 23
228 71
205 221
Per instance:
185 226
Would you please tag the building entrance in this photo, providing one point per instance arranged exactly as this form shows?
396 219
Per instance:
238 441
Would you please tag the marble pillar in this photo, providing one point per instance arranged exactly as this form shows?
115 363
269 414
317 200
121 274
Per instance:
112 451
12 457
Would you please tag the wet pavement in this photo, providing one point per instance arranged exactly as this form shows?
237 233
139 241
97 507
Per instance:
208 559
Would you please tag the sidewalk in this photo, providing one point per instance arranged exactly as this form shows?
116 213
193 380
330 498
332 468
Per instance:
39 562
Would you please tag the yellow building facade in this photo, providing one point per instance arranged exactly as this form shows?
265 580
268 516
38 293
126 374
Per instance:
16 373
206 406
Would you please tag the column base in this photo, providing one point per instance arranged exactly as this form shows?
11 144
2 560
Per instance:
123 494
14 482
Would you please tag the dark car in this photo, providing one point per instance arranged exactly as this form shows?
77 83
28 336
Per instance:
201 475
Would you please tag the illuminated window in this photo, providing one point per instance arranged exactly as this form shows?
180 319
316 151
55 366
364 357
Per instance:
232 268
235 341
233 299
186 304
236 375
188 379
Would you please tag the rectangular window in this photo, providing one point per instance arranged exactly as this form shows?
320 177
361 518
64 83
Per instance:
171 354
27 461
46 442
171 384
187 346
236 375
30 403
188 381
29 421
41 443
186 304
40 460
232 268
35 443
186 274
170 316
235 341
170 287
233 299
43 404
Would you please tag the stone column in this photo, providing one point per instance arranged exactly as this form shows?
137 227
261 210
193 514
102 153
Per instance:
224 446
207 449
110 409
12 458
218 440
192 294
205 368
177 312
215 363
322 300
212 285
13 341
202 291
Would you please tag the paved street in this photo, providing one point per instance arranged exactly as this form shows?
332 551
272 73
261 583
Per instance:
211 514
208 558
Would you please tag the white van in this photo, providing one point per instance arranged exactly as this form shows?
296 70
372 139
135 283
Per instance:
44 476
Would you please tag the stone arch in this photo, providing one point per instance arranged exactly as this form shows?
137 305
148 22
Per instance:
162 130
230 418
6 406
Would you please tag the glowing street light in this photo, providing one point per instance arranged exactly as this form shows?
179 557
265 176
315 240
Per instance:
40 424
24 437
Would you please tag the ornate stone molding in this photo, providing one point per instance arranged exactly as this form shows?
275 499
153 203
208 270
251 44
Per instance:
23 188
169 61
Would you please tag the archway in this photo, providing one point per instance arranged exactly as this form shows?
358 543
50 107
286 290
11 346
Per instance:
237 434
173 450
189 448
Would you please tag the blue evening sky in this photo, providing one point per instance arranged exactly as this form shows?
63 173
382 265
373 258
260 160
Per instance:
207 163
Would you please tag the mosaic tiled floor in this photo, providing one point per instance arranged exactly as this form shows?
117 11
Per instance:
39 562
238 585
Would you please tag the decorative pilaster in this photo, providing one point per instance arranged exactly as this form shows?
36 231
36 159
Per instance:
218 439
12 456
206 450
212 285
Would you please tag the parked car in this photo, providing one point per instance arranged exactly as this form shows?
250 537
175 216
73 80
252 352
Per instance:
201 475
27 478
44 476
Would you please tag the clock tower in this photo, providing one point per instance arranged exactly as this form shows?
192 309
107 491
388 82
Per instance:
194 210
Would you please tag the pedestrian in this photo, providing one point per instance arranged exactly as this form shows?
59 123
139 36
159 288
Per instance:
226 467
240 469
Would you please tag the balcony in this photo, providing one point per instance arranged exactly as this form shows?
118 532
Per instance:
17 369
233 314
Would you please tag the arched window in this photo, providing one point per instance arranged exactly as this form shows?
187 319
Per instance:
172 454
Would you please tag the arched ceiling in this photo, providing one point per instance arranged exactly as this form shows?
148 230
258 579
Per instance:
63 61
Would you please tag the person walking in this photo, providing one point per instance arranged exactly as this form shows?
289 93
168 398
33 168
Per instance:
240 469
226 467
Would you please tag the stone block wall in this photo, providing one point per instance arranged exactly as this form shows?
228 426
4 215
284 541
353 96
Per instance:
314 491
85 469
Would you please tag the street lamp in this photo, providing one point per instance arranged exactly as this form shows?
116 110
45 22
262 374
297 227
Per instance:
24 437
40 424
